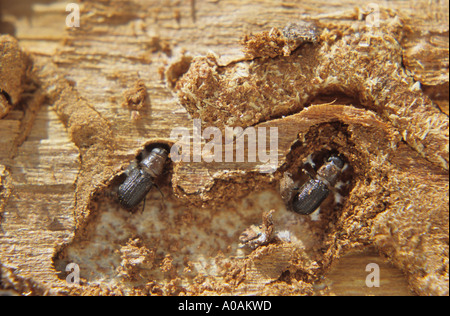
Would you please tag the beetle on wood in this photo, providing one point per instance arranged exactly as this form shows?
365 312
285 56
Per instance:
140 178
311 195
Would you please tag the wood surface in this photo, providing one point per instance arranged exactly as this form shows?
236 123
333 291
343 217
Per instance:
84 115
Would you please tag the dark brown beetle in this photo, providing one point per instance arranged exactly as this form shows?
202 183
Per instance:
316 190
140 178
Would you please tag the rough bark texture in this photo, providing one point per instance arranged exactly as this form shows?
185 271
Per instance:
78 104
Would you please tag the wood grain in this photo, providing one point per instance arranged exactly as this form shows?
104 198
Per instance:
60 156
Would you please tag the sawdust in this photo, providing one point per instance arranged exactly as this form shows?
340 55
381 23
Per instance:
135 256
364 65
137 97
393 137
13 69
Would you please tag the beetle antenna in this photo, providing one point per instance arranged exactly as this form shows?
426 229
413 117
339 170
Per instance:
159 190
307 172
143 205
